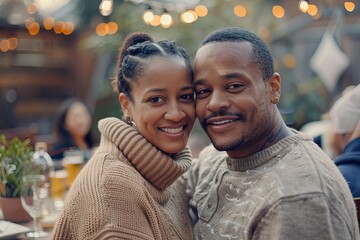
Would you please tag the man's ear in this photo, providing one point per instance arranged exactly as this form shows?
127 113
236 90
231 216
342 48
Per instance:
124 103
275 85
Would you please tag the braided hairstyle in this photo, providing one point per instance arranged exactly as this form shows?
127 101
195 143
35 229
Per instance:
134 54
261 54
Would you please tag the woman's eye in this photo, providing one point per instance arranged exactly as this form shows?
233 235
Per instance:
187 97
156 100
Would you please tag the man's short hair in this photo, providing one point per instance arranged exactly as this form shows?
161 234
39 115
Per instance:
261 54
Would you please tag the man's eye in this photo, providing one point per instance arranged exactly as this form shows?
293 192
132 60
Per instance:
156 100
202 93
234 86
199 92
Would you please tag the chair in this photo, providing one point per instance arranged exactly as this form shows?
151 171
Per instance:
357 205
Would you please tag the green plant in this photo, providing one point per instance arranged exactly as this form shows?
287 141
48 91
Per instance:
15 155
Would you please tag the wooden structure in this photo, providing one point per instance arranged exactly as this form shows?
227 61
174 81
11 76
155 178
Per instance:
41 72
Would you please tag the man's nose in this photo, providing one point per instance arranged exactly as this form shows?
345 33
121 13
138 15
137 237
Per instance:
218 101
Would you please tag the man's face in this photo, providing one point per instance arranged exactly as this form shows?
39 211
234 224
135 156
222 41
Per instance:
233 102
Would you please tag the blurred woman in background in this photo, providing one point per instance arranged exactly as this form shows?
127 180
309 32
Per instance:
73 129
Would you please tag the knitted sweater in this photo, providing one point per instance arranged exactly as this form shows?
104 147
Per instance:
127 191
290 190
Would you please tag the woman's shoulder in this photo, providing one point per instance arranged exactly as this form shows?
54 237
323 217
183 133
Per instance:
116 170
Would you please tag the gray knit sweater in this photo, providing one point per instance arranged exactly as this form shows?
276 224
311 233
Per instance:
291 190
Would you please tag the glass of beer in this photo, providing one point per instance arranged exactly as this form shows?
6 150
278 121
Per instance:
73 165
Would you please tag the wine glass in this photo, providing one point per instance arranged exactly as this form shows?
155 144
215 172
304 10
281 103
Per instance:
34 193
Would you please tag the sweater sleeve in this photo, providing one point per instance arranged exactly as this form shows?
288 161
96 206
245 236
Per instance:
300 218
107 201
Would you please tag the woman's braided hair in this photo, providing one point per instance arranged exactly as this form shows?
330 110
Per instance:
134 53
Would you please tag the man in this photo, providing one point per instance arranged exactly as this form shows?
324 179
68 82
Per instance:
263 180
345 128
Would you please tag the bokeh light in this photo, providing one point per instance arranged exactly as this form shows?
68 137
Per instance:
201 10
278 11
240 11
148 16
349 6
113 27
49 23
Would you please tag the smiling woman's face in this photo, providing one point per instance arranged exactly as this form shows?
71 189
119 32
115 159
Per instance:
163 103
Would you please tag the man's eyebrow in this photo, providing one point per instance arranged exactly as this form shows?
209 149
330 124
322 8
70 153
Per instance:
224 77
198 82
232 75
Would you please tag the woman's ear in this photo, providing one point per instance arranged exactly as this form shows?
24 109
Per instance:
124 103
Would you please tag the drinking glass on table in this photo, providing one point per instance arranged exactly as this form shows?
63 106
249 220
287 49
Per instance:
34 193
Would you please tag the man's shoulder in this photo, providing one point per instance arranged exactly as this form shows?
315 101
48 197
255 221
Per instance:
211 152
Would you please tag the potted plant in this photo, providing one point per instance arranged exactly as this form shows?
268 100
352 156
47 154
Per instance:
15 155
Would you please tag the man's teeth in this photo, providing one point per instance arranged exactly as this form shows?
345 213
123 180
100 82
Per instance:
221 122
172 130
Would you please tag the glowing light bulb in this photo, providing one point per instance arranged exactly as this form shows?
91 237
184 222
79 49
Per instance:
148 16
312 10
303 6
278 11
189 16
349 6
240 10
201 10
166 19
106 7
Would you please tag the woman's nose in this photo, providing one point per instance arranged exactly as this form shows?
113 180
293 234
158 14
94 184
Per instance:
175 114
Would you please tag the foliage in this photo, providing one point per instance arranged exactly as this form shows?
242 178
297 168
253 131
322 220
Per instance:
14 157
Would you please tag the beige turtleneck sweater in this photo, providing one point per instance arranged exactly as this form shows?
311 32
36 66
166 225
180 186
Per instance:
128 190
290 190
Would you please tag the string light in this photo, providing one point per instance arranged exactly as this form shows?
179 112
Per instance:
148 16
303 6
166 19
49 23
68 28
278 11
349 6
189 16
156 21
201 10
106 7
312 10
240 10
59 27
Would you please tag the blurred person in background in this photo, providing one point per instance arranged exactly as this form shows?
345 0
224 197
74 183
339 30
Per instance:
73 130
132 186
345 130
321 131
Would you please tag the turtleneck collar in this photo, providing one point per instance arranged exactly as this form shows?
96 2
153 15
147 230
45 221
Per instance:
154 165
260 158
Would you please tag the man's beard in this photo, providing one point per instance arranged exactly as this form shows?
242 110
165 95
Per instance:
242 117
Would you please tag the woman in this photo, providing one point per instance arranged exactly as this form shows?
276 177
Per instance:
73 129
131 189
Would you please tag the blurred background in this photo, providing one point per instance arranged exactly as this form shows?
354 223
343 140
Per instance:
51 50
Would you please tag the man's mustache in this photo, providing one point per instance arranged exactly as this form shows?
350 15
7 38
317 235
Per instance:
242 117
